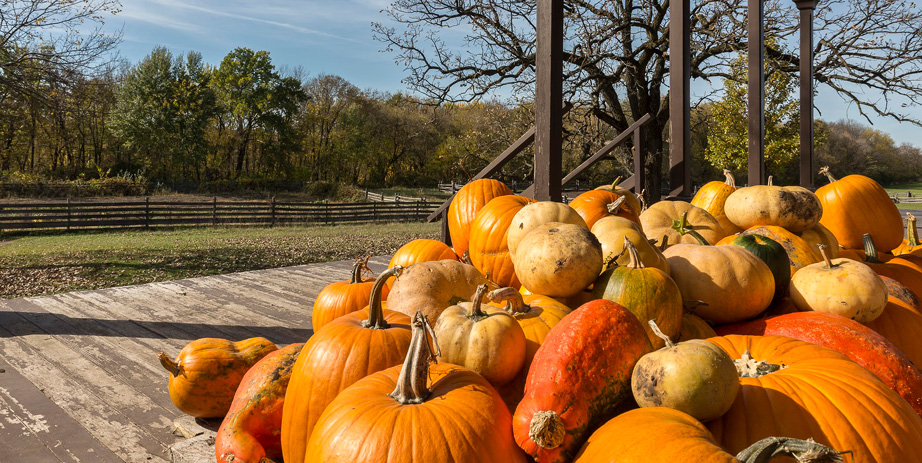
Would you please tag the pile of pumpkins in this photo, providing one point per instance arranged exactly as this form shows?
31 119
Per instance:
750 323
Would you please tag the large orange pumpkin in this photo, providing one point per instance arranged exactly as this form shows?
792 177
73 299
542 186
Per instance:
907 268
596 204
488 249
343 352
901 321
342 297
856 205
466 204
398 415
801 390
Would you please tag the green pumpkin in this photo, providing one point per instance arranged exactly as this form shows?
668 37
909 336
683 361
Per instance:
774 256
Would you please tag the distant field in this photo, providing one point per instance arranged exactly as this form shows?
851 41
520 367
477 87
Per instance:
902 192
38 265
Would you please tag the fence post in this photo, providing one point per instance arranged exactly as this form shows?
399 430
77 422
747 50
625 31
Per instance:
326 212
396 198
418 209
68 213
1 221
272 211
374 212
214 210
147 212
366 193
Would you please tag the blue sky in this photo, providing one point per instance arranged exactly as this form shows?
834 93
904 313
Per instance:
324 36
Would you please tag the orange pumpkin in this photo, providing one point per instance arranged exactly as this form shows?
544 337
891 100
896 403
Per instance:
694 327
207 371
398 415
901 321
801 390
634 201
596 204
489 251
466 204
856 205
343 352
712 197
420 250
911 245
907 268
342 297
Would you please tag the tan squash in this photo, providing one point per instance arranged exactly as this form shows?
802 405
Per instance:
665 218
432 287
792 207
713 196
558 259
611 232
539 213
840 286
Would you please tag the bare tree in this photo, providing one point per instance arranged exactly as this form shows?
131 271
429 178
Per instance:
52 42
616 53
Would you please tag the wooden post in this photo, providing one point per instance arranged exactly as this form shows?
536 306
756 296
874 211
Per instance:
214 210
549 97
374 212
272 211
807 171
679 99
147 212
68 213
639 161
446 235
756 108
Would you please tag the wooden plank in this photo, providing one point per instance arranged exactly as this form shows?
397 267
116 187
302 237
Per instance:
756 104
807 170
679 99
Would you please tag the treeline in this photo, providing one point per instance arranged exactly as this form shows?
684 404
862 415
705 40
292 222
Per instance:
178 120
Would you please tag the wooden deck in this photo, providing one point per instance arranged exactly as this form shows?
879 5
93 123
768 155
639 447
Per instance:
79 376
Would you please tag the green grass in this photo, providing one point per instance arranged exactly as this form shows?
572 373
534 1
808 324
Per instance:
48 264
901 191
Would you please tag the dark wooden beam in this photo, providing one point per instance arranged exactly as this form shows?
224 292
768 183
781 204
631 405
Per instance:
640 160
756 110
679 98
807 171
549 95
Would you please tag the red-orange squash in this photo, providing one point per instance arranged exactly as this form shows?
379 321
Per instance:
855 205
818 394
416 413
466 204
578 379
251 431
342 297
343 352
206 373
488 249
859 343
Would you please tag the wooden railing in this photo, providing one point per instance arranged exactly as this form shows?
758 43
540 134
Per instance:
634 182
72 215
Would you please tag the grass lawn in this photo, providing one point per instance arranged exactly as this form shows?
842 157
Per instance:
32 265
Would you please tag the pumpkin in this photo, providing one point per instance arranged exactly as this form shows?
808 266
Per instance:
578 380
856 205
907 269
632 200
773 254
819 234
416 412
486 340
596 204
342 297
859 343
794 208
433 287
911 245
732 283
465 205
649 293
343 352
207 371
801 390
660 434
799 251
680 222
419 250
694 327
539 213
841 286
712 197
901 321
694 377
489 251
558 259
251 430
611 232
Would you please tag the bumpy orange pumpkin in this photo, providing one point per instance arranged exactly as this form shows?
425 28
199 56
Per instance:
206 373
420 250
398 415
466 204
488 247
856 205
343 352
801 390
595 204
712 197
342 297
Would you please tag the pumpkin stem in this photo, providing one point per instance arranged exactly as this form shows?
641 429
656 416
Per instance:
412 386
547 429
912 233
376 319
642 198
870 250
613 207
477 312
174 368
664 244
825 255
659 333
730 180
825 171
466 257
617 182
691 306
633 253
359 269
748 367
771 180
514 301
805 451
682 227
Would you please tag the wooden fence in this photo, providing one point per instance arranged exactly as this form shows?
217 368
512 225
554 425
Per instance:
72 215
